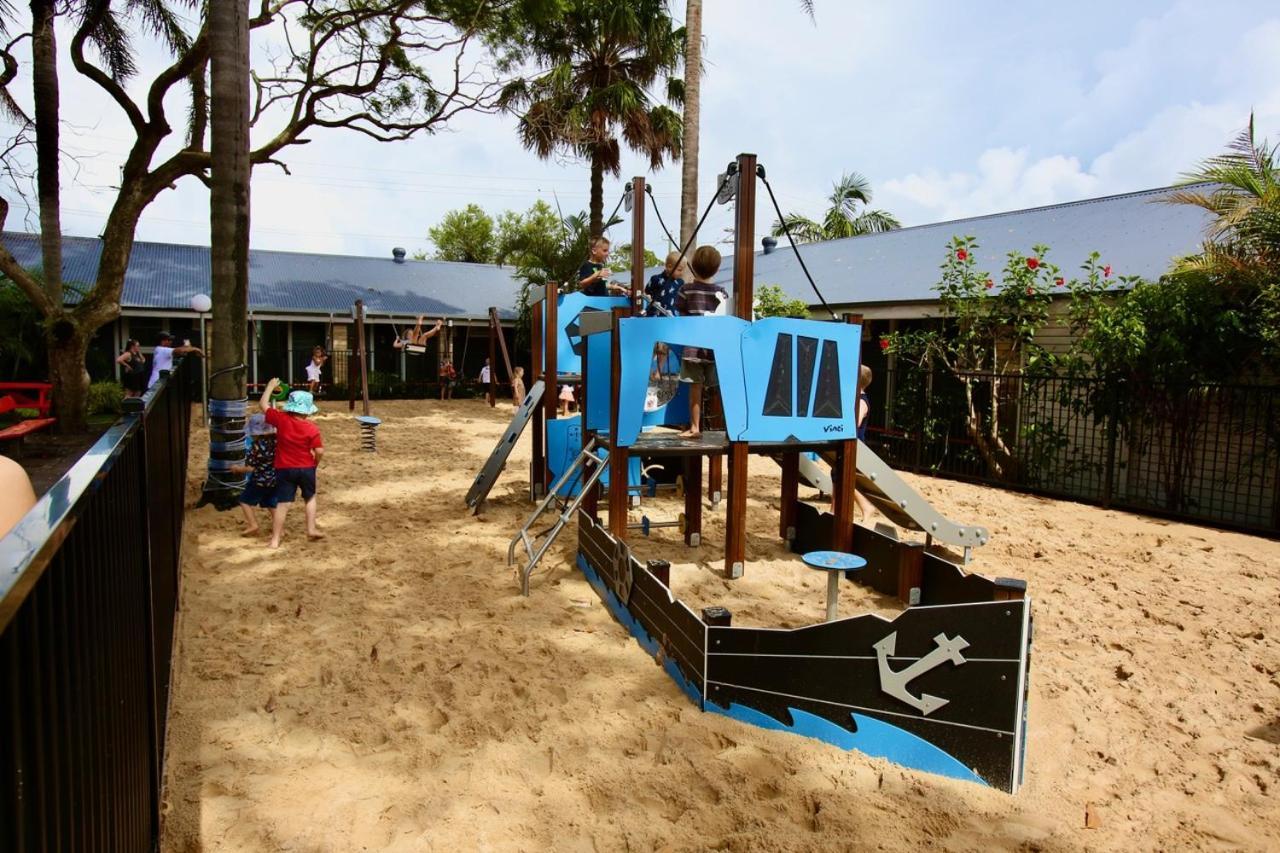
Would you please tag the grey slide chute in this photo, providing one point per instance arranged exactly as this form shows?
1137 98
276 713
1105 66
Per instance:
498 458
894 499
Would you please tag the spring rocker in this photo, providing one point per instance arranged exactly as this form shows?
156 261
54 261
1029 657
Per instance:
941 687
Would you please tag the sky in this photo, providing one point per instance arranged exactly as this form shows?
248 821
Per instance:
949 109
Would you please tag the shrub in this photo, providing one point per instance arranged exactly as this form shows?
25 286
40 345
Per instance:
105 397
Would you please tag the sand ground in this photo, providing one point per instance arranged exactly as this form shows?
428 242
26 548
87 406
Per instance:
389 689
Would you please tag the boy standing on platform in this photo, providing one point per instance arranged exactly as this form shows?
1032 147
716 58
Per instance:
593 277
699 298
299 450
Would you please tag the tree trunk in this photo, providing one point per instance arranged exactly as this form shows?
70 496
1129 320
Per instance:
229 195
68 344
597 195
692 116
44 77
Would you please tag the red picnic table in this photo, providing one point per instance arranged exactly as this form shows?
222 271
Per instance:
30 395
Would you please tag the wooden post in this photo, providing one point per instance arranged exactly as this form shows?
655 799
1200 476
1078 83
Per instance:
364 367
735 544
502 343
493 366
790 495
618 496
591 500
538 464
910 572
637 244
693 500
844 479
550 365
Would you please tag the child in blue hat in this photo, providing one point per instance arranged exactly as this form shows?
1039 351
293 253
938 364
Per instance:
260 465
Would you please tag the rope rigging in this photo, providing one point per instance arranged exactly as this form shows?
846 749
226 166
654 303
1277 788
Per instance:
786 230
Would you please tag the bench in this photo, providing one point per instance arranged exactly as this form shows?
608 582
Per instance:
21 429
30 395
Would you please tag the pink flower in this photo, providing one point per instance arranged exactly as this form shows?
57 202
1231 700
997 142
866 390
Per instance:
1032 263
961 254
989 284
884 344
1031 291
1059 281
1106 271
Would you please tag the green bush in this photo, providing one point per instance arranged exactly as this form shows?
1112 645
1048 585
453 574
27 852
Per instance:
105 397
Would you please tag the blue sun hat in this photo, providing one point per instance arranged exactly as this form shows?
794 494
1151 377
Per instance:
258 425
301 403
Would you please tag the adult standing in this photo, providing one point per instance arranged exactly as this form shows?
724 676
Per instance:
134 369
165 353
593 276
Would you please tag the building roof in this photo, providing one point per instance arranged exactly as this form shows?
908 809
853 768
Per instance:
1134 232
167 275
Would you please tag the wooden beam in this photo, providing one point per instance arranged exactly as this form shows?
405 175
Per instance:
364 366
790 495
693 500
591 500
502 343
735 539
493 366
618 495
550 363
537 427
637 243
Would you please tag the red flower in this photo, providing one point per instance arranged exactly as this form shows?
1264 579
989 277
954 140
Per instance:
884 344
1059 281
1032 263
989 284
1031 291
961 254
1106 271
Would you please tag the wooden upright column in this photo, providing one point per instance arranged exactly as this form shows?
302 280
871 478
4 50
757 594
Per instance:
550 364
618 456
844 479
735 545
693 500
538 465
492 390
637 243
790 495
591 500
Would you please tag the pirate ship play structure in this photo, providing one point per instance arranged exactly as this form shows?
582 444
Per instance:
941 687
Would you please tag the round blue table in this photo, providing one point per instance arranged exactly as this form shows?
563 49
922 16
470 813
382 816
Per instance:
833 563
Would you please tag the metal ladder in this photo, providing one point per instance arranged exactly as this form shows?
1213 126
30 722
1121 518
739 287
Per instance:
536 545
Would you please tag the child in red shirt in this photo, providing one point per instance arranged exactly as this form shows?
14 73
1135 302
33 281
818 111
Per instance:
299 450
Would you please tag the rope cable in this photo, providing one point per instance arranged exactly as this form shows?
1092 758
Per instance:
782 219
657 211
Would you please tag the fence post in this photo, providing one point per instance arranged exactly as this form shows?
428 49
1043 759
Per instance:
1108 486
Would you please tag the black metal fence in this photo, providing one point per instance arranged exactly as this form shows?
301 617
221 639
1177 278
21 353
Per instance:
88 595
1208 453
391 375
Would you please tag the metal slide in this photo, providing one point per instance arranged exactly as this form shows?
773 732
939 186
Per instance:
897 501
498 458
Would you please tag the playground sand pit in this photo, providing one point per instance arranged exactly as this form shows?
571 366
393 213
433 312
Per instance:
389 689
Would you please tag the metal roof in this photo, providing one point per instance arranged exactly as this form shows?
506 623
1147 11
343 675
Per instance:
167 275
1135 233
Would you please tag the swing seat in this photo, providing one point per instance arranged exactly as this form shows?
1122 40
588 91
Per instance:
415 349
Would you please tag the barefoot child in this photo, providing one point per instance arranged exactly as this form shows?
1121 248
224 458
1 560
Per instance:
260 465
299 449
517 386
697 298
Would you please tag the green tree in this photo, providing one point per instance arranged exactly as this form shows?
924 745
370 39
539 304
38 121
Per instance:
601 59
465 235
988 334
843 218
1241 252
388 69
771 301
620 258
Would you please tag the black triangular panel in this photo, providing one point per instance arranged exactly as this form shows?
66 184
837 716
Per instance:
777 397
807 350
827 402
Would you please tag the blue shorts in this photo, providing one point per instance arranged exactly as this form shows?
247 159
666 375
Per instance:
257 495
289 480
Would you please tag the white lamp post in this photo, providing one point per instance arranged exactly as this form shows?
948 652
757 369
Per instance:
201 303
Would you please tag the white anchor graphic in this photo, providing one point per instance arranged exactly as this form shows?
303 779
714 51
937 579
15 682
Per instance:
895 683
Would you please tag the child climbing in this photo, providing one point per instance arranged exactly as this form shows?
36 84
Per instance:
699 298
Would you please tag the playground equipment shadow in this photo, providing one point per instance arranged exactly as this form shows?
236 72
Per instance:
389 688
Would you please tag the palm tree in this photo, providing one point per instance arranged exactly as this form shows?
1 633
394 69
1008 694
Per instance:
693 113
601 59
1241 188
843 218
